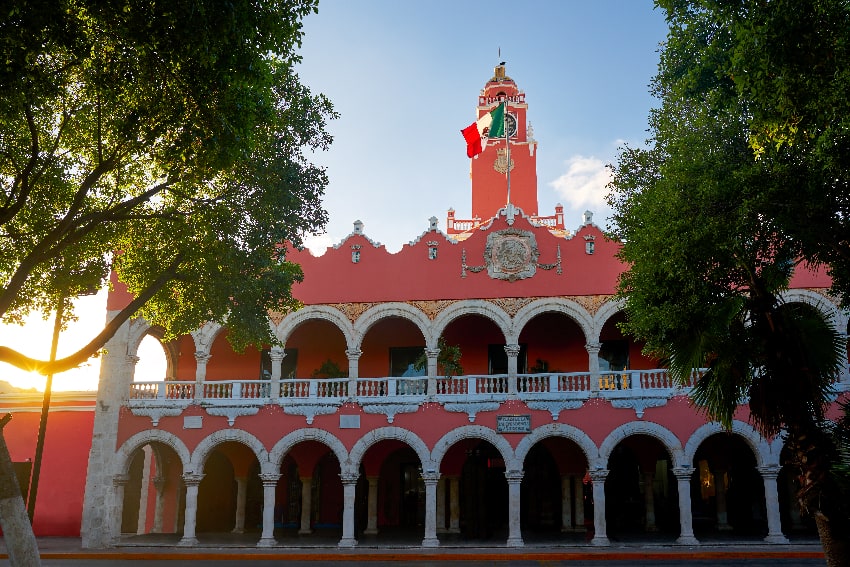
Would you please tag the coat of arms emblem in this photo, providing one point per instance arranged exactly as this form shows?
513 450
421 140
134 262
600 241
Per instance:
501 163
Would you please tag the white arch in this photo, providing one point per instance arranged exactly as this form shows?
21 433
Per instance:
574 434
205 447
290 440
659 432
473 307
205 336
124 454
758 444
838 316
568 307
393 309
382 433
321 312
474 432
605 312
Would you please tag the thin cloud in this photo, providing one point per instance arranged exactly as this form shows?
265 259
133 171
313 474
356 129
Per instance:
584 183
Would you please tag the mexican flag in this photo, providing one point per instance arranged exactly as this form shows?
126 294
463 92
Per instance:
474 133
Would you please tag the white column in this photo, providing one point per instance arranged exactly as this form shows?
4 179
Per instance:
276 355
269 496
430 539
142 518
514 529
159 504
372 506
202 358
349 485
190 513
600 526
769 474
649 501
353 355
720 500
241 498
579 500
441 506
512 351
454 504
566 503
686 521
119 483
593 364
431 355
306 504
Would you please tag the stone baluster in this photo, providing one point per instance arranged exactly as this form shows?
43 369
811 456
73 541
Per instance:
769 474
600 526
430 479
269 481
192 481
686 521
349 485
514 529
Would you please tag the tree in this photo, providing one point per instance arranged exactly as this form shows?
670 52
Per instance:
161 142
708 252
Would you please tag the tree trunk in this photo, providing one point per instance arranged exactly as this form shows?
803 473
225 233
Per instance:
17 531
836 548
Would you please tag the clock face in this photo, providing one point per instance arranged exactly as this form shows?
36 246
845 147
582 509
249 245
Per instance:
510 119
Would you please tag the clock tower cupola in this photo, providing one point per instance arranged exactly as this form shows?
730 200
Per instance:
488 171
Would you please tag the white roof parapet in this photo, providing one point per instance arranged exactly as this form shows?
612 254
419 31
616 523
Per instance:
358 231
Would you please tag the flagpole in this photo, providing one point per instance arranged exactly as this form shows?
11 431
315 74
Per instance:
507 149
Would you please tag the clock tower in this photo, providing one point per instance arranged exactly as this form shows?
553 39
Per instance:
488 171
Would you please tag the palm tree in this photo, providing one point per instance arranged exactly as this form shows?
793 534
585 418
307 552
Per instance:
782 359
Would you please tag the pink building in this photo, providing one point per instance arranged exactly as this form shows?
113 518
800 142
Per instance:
558 427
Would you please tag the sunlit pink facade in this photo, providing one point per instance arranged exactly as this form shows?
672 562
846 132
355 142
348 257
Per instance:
558 428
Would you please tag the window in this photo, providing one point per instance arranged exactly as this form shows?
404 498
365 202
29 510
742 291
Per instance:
402 360
497 359
290 362
613 356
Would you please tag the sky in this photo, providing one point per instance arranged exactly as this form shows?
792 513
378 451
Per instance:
405 75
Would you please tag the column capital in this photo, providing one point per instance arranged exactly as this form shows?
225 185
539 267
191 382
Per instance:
192 478
593 348
514 476
512 349
269 478
431 477
202 356
120 479
276 354
683 473
432 352
353 353
133 359
769 471
158 482
598 475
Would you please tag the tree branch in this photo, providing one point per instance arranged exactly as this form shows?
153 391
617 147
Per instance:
29 364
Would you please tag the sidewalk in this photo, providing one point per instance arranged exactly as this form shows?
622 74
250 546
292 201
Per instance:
71 548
